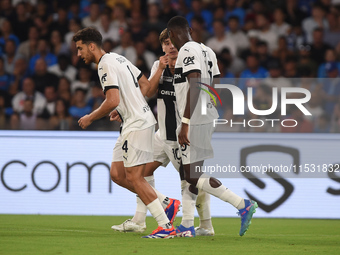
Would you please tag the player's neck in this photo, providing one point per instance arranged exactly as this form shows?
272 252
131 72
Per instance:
99 55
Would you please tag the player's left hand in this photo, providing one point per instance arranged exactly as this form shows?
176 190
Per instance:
183 135
114 116
85 121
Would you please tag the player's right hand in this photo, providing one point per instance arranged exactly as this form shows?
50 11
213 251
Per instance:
114 116
163 61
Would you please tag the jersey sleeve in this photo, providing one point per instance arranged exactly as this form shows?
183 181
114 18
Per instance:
214 68
189 61
108 77
154 68
135 71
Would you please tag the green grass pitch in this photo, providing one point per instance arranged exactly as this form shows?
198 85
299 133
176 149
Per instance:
38 234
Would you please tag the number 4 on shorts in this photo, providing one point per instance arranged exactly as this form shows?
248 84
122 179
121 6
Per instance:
125 146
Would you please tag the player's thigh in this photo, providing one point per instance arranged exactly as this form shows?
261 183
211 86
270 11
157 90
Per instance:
137 147
200 144
135 173
151 167
117 171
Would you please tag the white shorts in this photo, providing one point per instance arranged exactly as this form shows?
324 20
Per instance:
135 148
166 151
200 144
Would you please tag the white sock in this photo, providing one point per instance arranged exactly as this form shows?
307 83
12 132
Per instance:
141 209
188 205
162 198
158 213
203 209
221 192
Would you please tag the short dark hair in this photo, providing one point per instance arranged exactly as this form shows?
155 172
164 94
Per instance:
178 22
89 35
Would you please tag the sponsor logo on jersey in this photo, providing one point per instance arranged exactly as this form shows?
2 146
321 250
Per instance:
103 79
121 59
167 92
177 76
188 61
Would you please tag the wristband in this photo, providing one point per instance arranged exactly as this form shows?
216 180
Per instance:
185 120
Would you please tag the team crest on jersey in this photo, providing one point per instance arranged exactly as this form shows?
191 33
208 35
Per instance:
103 79
188 61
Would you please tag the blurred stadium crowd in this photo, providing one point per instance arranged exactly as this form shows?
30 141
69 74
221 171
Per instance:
259 43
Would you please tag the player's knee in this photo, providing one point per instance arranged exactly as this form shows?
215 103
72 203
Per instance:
116 177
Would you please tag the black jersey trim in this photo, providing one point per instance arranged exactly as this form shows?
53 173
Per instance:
139 76
106 88
192 71
216 76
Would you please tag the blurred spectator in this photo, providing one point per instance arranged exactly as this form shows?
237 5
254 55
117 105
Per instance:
6 79
199 32
263 54
42 19
108 45
106 28
275 78
317 20
332 35
233 11
295 37
265 33
198 10
253 74
303 125
20 72
5 112
42 77
294 14
51 97
237 35
43 51
27 119
97 96
282 52
63 68
84 81
153 44
290 68
154 22
119 18
6 34
10 55
93 20
79 107
61 24
252 49
318 48
126 48
28 48
220 40
58 47
331 87
280 27
145 58
28 92
64 89
73 26
138 31
234 64
305 59
21 22
167 11
323 124
330 57
61 120
6 9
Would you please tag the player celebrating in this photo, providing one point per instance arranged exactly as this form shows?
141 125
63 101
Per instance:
123 85
197 61
166 147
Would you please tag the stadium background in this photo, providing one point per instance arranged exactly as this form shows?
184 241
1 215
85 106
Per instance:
45 86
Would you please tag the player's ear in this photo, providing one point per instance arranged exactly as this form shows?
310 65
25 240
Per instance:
92 46
190 30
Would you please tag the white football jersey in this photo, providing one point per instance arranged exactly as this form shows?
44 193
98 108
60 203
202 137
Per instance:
195 57
116 72
167 113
